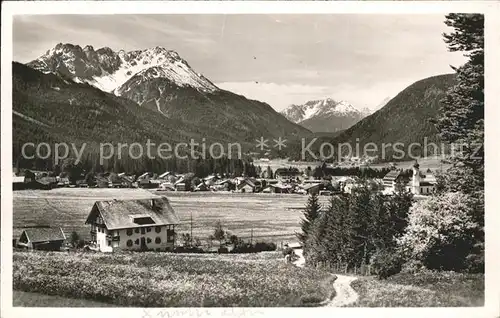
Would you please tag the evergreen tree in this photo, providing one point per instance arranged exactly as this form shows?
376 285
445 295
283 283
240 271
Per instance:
269 172
462 114
311 212
462 119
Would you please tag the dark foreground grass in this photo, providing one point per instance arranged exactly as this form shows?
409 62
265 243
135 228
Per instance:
426 289
27 299
171 280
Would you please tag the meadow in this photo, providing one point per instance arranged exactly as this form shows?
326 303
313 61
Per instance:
422 289
171 280
266 217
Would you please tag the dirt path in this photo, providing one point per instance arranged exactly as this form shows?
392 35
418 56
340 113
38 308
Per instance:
345 294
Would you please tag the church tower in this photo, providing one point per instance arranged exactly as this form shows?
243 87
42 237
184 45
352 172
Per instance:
416 178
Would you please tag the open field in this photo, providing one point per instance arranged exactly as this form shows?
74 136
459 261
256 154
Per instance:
428 289
273 217
171 280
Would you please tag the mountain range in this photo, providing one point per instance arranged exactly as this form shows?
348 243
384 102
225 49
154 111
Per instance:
324 115
157 81
82 95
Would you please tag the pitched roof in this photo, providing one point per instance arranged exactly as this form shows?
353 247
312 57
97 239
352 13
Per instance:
244 184
430 178
42 234
287 171
224 181
392 175
119 214
311 185
17 179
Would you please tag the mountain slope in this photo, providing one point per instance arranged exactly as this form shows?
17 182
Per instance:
326 115
405 118
160 80
49 108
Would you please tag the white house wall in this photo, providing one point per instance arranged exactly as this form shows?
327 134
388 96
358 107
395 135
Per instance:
107 244
152 235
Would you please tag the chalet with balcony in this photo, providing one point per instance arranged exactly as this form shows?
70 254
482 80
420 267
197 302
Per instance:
145 224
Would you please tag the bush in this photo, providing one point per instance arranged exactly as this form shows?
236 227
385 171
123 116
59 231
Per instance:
188 249
263 246
386 262
254 248
442 233
412 266
223 250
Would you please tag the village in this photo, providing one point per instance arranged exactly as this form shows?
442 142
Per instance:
285 180
149 223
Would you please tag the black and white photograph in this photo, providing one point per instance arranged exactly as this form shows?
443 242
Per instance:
262 159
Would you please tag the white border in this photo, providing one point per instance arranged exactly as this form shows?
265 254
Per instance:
492 28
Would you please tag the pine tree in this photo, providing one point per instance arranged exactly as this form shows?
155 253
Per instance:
462 119
311 212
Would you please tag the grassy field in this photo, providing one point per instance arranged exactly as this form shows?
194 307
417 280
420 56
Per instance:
439 289
170 280
272 217
27 299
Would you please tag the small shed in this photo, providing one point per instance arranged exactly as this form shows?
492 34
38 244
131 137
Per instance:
42 238
245 186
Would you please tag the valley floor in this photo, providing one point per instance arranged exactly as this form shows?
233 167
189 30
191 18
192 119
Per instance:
264 217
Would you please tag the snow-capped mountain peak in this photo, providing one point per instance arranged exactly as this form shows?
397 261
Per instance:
324 115
108 70
322 107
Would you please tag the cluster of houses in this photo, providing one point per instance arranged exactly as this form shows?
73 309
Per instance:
284 180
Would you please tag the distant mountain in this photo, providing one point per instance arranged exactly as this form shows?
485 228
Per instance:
325 115
160 80
382 104
405 118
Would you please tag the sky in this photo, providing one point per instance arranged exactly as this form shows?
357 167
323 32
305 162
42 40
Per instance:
278 59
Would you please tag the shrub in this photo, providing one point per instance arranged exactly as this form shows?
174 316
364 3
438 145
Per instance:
474 262
254 248
386 262
263 246
188 249
222 250
442 233
412 266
